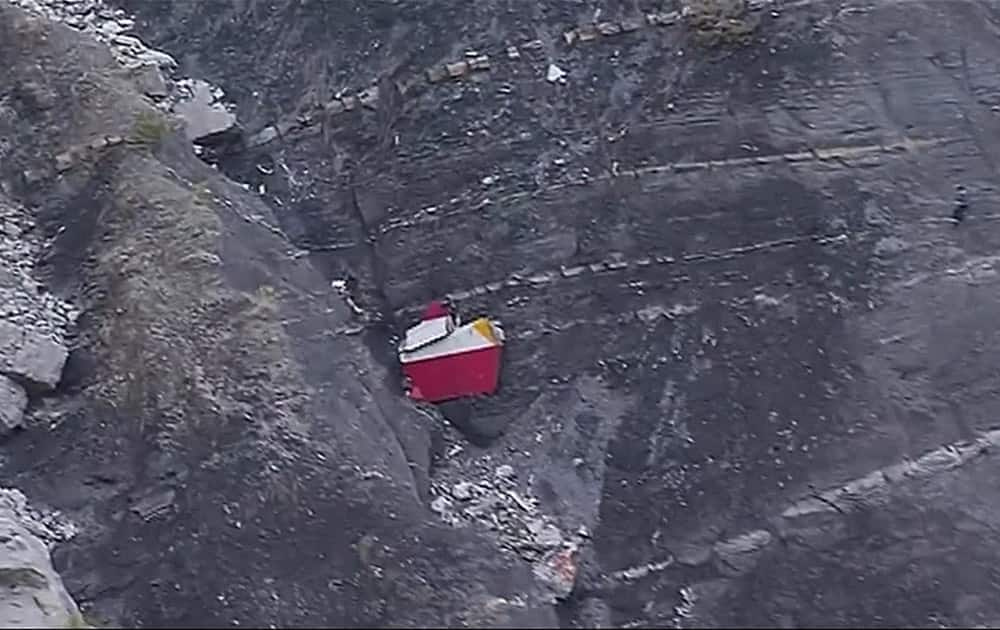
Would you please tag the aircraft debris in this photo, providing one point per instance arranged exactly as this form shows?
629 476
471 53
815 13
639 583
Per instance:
443 359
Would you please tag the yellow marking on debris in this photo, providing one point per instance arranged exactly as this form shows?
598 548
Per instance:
485 328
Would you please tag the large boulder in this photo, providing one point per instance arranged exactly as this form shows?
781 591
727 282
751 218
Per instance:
28 355
204 116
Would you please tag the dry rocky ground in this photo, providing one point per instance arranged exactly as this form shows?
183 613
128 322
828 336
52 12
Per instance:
750 377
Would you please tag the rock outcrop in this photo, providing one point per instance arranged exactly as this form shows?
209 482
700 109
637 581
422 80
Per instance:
200 105
32 594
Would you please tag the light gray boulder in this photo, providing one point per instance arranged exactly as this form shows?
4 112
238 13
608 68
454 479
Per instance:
29 355
203 115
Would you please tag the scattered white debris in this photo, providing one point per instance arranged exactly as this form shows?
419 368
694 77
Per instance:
555 74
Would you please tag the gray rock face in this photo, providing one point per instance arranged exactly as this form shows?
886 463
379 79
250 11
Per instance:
13 400
32 594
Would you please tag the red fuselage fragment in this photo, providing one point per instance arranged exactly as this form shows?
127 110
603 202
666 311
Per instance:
443 360
474 373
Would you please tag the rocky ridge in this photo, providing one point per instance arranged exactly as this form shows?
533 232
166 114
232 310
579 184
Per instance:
155 72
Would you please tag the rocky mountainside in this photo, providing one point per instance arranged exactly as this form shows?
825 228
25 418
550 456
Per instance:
744 253
226 458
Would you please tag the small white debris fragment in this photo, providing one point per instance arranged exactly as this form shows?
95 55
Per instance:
555 73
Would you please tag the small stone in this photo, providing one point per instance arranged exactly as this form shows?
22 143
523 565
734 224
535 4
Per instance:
111 29
506 471
64 161
368 98
441 505
587 33
265 135
457 69
334 107
438 74
33 176
462 491
127 41
692 555
631 24
479 63
549 536
97 144
608 28
161 59
738 555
